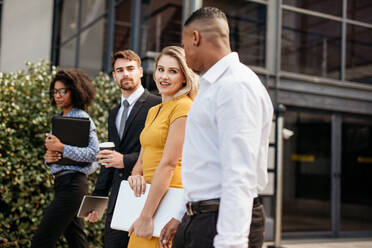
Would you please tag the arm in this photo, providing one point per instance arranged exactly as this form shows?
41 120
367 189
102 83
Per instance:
239 122
143 226
137 169
136 180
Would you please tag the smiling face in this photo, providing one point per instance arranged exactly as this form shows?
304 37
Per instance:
62 95
127 74
168 77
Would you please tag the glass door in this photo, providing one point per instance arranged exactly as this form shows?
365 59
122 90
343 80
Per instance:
306 173
356 175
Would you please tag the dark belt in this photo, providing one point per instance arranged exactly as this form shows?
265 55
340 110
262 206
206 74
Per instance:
64 172
207 206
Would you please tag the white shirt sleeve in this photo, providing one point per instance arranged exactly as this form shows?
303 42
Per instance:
239 123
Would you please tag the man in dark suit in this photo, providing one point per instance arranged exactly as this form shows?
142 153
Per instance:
125 124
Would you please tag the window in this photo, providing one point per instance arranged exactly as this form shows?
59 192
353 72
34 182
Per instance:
1 12
358 54
161 26
247 21
356 185
332 7
359 10
81 35
306 172
311 45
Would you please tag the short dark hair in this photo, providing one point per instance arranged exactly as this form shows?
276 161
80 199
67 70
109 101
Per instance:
125 54
77 81
206 13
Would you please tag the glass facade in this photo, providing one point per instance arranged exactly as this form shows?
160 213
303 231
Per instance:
332 7
358 54
161 24
311 45
306 168
247 21
81 35
359 10
312 39
1 13
356 185
122 26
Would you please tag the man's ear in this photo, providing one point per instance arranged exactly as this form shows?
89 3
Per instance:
196 37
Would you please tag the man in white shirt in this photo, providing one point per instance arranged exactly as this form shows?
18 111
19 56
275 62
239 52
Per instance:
224 160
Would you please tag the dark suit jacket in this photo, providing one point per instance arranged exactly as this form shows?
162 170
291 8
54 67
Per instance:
129 146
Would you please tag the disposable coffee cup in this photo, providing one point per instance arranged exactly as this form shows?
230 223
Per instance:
106 146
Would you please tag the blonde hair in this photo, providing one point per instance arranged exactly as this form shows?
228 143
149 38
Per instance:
192 80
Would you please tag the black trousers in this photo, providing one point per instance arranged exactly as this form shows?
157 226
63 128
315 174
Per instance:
198 231
114 238
60 217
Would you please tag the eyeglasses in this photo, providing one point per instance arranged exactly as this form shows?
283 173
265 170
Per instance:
61 92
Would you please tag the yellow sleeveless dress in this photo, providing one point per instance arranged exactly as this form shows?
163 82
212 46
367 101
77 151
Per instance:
153 138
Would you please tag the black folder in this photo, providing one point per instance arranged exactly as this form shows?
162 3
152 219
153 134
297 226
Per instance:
72 131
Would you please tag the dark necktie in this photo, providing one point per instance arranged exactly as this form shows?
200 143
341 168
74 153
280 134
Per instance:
124 117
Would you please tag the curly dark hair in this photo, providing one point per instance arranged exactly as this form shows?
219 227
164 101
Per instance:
82 89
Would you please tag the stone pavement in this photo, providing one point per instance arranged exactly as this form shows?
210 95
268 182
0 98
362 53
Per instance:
326 243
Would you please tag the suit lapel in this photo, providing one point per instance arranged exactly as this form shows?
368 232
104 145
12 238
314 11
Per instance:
135 110
112 124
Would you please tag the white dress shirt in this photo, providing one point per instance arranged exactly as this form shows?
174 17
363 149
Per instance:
132 99
226 146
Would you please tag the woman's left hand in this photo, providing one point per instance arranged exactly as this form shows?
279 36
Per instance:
142 227
52 143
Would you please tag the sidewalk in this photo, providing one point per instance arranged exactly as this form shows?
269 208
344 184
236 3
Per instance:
325 243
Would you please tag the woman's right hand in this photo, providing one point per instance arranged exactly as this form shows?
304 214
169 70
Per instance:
137 184
52 156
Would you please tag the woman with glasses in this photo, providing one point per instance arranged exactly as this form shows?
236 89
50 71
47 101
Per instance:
72 91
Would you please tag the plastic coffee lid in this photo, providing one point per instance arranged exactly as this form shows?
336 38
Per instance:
106 145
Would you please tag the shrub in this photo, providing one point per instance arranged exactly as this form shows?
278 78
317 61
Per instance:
26 186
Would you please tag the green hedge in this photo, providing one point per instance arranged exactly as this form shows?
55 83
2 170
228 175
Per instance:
26 186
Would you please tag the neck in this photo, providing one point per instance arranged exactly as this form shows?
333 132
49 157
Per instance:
166 98
66 110
214 57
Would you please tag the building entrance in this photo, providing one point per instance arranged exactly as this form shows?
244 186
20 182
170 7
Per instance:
327 165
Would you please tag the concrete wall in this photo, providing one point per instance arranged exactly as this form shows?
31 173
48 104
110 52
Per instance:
26 33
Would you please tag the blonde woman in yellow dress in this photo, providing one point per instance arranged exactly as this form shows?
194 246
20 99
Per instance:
159 162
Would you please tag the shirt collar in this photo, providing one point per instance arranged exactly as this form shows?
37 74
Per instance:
134 96
219 68
71 112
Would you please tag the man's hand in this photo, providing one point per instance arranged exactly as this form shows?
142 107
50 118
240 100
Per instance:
92 216
53 143
142 227
167 233
137 184
52 156
111 159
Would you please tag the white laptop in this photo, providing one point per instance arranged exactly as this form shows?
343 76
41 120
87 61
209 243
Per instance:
128 208
90 203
